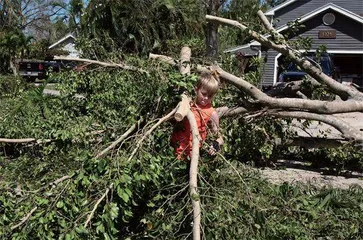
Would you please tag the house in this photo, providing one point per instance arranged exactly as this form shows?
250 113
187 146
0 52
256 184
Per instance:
337 24
66 44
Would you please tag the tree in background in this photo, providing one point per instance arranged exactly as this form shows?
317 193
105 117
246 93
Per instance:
140 26
212 7
243 11
21 22
272 3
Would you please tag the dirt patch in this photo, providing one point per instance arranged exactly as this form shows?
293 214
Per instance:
314 177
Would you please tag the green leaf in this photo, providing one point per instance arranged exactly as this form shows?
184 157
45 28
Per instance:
114 209
60 204
81 230
122 194
100 228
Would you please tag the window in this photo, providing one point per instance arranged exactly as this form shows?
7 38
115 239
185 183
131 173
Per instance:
329 19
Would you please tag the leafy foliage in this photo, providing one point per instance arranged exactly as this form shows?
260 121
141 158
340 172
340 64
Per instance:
115 197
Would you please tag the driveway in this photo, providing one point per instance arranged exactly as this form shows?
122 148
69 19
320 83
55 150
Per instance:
316 129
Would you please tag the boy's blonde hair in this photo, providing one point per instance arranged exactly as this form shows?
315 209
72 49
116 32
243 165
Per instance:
209 82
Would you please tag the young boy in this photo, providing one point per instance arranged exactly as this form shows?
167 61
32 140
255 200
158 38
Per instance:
206 117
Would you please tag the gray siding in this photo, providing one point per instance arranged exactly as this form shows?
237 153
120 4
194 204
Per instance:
349 33
268 74
302 7
349 36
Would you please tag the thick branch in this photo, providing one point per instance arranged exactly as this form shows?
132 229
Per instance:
193 176
265 21
185 55
309 142
316 73
163 58
22 140
119 65
183 108
316 106
348 132
229 112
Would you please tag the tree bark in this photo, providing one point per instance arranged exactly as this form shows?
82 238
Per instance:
211 29
13 67
211 40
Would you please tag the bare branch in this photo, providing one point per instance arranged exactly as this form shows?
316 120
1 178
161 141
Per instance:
24 140
229 112
264 21
96 205
184 66
183 108
163 58
348 131
193 176
59 180
316 106
24 219
120 139
119 65
161 120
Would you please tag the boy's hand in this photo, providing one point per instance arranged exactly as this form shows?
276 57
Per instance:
214 148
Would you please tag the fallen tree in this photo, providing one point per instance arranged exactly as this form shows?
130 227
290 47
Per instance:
127 193
297 108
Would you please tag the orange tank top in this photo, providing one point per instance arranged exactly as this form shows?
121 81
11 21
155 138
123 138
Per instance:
182 136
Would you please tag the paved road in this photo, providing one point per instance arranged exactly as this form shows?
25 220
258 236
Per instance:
57 93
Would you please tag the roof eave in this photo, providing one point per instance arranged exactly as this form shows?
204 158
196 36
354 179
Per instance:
61 40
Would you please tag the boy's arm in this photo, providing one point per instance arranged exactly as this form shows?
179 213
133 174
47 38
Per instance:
214 120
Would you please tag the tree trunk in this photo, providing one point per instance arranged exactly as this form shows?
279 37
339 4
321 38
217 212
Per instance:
211 29
211 40
13 66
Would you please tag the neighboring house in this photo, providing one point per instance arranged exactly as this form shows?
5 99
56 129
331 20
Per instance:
67 44
337 24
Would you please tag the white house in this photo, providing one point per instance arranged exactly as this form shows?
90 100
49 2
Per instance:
66 44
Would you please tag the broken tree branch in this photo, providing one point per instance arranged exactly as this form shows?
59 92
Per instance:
161 120
184 69
184 65
315 106
105 64
348 131
343 91
23 140
193 176
163 58
120 139
96 205
24 219
183 108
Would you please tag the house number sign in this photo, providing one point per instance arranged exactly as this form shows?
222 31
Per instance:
328 34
